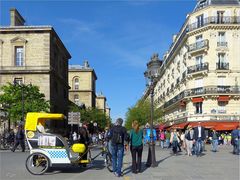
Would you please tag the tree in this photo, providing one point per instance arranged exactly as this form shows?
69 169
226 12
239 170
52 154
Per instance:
92 114
141 112
11 100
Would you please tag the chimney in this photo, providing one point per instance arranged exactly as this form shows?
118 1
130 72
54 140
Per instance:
174 37
86 65
16 18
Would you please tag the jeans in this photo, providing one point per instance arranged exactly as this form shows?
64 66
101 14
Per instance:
21 142
198 147
236 146
167 143
214 145
117 157
136 152
174 146
162 143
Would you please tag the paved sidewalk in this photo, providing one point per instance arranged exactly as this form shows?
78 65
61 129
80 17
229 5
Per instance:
222 165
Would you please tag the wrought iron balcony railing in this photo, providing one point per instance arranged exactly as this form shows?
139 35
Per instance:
214 20
222 44
203 90
198 67
222 66
198 45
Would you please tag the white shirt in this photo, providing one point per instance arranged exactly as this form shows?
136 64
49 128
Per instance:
199 131
40 128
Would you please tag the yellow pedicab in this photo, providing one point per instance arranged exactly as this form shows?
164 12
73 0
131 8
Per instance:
47 150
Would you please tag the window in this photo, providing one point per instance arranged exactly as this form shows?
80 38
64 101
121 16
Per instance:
221 80
199 60
198 83
200 21
19 55
220 16
18 81
221 57
198 106
221 37
76 99
76 83
222 107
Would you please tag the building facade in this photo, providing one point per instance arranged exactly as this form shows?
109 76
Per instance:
200 75
36 55
82 82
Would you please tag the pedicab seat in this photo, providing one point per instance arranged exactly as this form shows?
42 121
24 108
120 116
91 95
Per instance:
78 148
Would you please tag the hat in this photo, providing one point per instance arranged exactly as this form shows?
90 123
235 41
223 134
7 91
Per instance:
119 121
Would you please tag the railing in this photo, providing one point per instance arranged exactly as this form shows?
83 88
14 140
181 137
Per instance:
198 45
214 20
198 67
222 66
204 90
222 44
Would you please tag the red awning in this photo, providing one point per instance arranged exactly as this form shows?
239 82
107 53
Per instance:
197 99
223 98
226 126
182 103
219 126
179 126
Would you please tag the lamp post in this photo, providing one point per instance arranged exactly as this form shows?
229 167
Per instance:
21 86
151 75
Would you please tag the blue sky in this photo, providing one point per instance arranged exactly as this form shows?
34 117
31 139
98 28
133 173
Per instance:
116 37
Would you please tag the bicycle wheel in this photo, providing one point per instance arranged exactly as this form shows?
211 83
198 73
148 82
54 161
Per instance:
108 162
37 163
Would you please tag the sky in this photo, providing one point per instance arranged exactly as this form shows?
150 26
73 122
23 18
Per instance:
117 37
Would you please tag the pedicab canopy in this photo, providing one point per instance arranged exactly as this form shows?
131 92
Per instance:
33 118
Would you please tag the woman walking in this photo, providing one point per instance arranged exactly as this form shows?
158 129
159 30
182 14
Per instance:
136 147
189 140
174 140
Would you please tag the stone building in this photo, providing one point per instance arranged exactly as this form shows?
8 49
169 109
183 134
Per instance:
82 82
36 55
200 75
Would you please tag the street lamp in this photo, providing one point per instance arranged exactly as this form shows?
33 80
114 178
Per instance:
151 75
21 86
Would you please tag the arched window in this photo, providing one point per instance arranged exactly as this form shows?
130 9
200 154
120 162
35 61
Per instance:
76 83
76 99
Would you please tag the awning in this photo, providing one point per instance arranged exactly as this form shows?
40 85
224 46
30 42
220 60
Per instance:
179 126
218 125
197 99
226 126
182 103
223 98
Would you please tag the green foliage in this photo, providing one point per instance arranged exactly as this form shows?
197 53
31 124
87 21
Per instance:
11 99
142 112
92 114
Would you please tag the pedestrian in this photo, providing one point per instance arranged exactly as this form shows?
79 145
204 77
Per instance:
214 136
162 138
136 147
174 140
198 138
189 140
118 134
236 140
167 135
19 139
84 139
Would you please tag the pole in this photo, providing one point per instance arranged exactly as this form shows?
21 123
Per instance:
151 161
22 104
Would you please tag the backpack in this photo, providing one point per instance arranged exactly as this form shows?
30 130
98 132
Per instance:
117 137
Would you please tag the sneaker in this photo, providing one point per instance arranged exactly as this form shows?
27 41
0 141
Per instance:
116 174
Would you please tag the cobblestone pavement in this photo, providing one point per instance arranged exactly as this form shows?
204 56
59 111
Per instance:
222 165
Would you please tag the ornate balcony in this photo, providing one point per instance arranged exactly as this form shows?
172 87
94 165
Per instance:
198 46
214 20
214 90
222 44
222 66
197 68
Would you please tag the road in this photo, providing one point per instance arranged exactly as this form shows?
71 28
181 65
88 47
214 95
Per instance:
222 165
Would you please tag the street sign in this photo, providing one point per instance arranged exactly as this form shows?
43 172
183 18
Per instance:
74 117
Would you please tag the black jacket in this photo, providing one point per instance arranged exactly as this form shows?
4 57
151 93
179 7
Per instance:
195 135
121 130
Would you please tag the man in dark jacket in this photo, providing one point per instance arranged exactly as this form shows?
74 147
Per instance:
19 139
84 139
118 134
236 140
198 138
